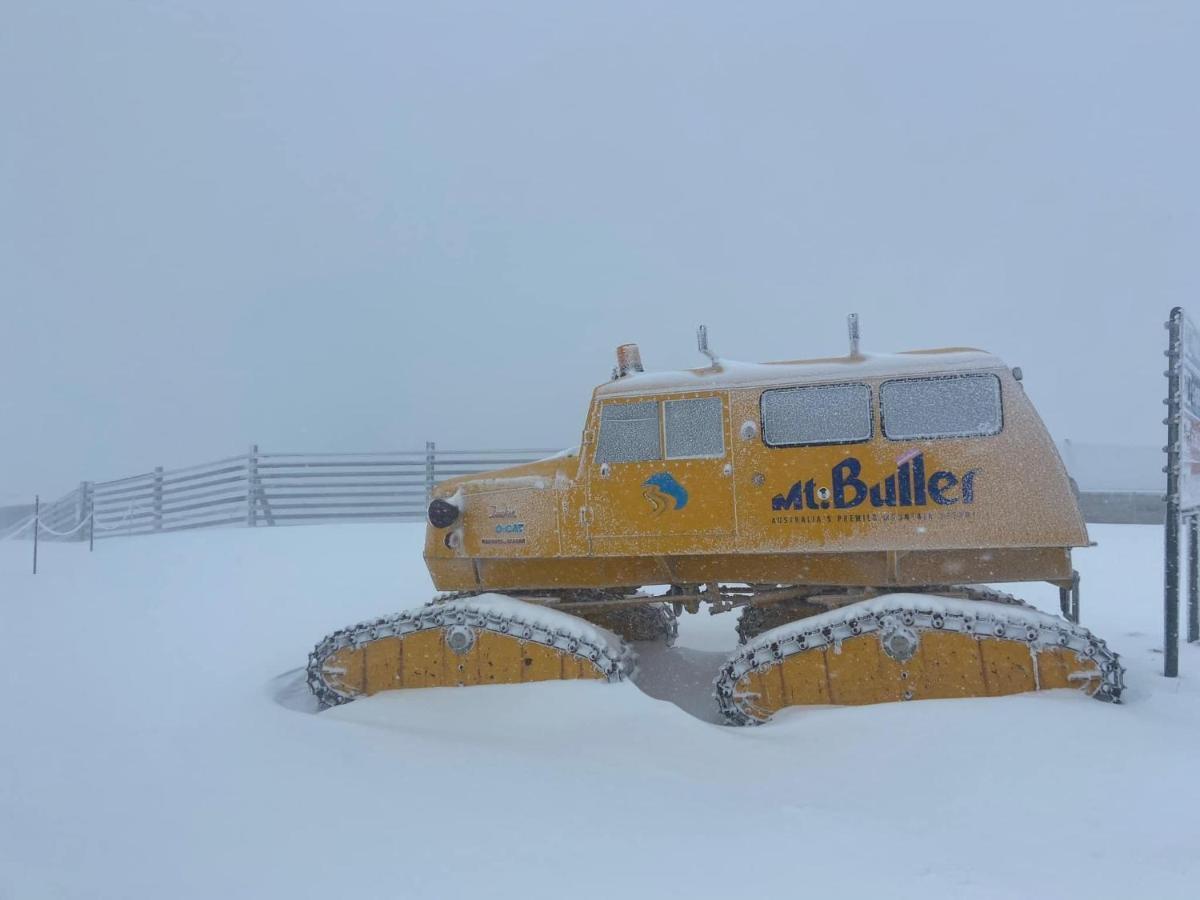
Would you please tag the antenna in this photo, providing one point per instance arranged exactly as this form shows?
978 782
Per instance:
702 343
852 326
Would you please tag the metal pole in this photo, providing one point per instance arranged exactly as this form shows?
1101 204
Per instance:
91 507
1075 597
1193 632
1068 599
1171 532
37 526
430 459
1171 595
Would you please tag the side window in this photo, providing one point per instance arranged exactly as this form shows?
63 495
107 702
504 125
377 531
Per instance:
694 428
820 414
628 432
942 407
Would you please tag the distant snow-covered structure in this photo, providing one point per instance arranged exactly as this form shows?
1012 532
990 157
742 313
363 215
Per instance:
1117 483
1114 467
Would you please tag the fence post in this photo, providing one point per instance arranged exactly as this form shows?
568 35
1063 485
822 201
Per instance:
430 461
37 526
158 495
252 486
81 507
90 498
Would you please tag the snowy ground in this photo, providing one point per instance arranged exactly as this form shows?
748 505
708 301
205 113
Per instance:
154 744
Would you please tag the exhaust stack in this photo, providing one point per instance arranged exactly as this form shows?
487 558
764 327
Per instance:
702 344
852 326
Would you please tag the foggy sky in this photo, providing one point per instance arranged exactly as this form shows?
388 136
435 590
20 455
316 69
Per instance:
327 226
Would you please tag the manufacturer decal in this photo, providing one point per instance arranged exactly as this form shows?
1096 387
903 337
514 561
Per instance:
661 490
510 533
907 486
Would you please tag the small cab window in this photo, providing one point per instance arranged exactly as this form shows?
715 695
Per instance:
943 407
818 414
629 432
694 428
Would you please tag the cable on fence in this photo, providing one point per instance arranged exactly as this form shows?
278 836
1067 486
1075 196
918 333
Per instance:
46 528
123 520
18 529
42 526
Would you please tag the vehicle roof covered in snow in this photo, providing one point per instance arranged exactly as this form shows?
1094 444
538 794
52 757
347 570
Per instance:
731 374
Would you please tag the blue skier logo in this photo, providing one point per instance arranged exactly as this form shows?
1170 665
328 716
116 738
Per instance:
661 487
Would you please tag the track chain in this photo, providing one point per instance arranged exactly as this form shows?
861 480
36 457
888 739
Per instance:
755 618
840 624
650 621
447 611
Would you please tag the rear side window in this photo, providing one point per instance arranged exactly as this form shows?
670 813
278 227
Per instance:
943 407
694 428
628 433
818 414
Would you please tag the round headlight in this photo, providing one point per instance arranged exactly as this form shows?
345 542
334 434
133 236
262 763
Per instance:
442 514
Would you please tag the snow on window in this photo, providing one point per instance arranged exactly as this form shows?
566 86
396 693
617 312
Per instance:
628 432
694 428
820 414
947 406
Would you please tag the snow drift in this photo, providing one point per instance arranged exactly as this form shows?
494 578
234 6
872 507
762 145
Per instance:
157 741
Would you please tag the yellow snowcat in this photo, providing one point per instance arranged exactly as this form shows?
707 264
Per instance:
853 508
